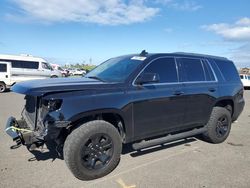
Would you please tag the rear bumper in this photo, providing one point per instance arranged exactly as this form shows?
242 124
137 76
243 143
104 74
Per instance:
238 108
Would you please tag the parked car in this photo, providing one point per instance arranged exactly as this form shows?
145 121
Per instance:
64 72
245 80
143 99
79 72
15 69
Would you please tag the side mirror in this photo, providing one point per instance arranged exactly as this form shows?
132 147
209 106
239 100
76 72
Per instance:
146 78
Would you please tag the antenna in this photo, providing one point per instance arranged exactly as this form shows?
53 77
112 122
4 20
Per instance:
143 53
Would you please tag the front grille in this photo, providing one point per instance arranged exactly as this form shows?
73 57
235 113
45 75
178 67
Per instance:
29 112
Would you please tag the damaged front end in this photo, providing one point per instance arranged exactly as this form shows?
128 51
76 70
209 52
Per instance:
41 121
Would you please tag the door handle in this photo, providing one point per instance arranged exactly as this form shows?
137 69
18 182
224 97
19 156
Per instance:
6 76
212 89
178 93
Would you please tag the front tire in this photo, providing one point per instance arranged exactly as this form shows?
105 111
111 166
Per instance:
93 150
218 126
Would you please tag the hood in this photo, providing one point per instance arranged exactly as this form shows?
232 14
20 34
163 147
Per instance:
41 87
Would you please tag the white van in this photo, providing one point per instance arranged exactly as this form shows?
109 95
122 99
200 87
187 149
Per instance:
245 79
15 69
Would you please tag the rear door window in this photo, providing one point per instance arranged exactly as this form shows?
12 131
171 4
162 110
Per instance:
16 64
3 67
191 70
165 68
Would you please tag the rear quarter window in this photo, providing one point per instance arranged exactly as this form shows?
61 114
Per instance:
25 64
228 70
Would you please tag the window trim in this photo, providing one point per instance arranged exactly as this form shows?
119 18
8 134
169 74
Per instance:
165 83
177 69
215 76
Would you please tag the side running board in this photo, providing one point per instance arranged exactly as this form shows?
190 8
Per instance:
168 138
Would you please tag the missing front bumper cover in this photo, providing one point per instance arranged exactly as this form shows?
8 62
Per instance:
19 132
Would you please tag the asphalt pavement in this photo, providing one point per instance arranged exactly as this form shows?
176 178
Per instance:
186 163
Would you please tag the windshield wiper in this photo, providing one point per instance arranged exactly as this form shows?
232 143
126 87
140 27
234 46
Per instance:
96 78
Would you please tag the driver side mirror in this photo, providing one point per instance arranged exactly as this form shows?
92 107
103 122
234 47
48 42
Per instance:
146 78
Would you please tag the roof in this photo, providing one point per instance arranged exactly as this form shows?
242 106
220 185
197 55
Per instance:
21 58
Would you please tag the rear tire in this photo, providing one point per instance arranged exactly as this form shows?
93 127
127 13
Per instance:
2 87
54 76
93 150
218 126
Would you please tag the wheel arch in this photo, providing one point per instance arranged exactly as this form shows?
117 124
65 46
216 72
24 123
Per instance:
113 116
226 102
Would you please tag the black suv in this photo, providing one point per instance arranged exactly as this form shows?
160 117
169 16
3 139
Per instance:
143 99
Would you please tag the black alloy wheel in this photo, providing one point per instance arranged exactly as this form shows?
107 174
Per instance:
97 151
222 126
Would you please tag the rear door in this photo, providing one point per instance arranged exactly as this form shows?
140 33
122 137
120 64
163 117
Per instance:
158 107
200 88
5 73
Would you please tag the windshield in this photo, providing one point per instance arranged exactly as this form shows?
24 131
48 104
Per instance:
115 69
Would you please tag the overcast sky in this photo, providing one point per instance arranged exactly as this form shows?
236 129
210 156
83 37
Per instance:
71 31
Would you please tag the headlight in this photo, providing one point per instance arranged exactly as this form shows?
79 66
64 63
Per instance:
54 104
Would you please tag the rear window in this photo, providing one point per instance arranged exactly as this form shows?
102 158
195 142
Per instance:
25 64
191 70
228 70
3 67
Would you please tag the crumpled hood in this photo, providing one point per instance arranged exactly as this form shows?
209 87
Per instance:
41 87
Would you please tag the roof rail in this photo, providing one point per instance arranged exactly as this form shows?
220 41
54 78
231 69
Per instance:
203 55
26 55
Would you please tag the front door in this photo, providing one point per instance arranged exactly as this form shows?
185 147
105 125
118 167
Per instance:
158 108
45 70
